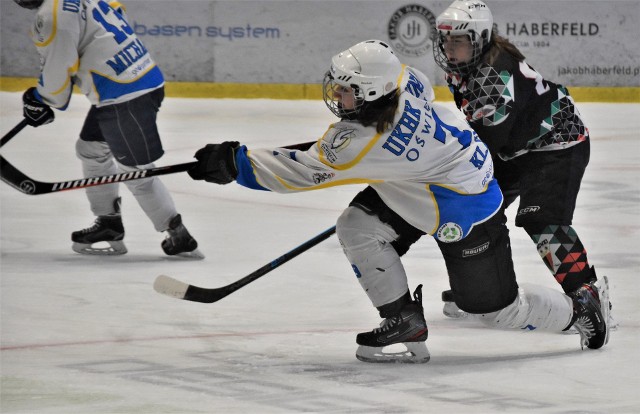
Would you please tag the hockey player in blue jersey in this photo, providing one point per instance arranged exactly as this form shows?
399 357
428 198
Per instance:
538 140
89 44
428 173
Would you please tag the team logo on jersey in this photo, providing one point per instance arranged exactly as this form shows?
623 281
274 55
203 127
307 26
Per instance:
411 30
39 26
449 233
342 139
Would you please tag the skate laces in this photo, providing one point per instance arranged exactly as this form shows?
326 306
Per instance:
391 322
95 226
388 324
101 221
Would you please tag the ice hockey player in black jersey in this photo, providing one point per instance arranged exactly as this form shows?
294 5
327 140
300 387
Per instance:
538 140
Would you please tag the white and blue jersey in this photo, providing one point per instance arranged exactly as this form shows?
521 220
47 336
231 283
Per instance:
430 167
88 43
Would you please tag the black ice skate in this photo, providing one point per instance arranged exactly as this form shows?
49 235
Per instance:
591 313
407 328
179 242
107 229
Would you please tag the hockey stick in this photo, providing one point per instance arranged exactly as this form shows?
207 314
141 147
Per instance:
180 290
13 132
16 179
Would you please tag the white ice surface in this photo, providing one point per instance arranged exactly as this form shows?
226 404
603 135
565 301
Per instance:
89 335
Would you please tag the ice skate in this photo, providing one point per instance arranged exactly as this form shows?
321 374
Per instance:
591 313
408 328
179 242
107 229
450 308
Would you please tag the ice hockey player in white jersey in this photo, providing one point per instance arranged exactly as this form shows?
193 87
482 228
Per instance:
428 173
89 44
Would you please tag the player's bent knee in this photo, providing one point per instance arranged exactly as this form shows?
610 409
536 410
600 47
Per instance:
92 151
354 228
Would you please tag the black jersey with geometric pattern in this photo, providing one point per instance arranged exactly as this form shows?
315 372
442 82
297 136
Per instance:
515 110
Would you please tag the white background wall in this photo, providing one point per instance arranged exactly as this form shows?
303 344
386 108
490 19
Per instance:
574 42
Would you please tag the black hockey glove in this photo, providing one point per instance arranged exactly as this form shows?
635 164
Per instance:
216 163
35 112
457 97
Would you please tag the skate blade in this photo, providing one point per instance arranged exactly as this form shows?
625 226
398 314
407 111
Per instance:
415 353
192 255
115 248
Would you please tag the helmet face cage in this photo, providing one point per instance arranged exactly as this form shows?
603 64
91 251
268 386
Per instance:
470 18
331 88
29 4
461 68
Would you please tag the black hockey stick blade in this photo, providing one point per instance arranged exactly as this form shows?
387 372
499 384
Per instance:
180 290
27 185
13 132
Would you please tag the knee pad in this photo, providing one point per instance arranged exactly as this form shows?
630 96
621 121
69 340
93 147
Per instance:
97 151
363 236
370 202
366 242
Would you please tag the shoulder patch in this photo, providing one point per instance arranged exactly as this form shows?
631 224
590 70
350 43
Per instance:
339 139
44 28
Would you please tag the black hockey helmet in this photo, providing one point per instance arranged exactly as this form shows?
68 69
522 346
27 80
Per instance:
29 4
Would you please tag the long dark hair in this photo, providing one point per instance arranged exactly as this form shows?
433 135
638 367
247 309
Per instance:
380 112
500 44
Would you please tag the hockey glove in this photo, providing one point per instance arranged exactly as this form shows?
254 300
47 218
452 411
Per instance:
216 163
35 112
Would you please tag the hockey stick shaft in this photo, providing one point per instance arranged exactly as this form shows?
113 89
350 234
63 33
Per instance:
21 182
18 180
177 289
13 132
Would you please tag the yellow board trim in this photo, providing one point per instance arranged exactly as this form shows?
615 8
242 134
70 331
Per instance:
314 91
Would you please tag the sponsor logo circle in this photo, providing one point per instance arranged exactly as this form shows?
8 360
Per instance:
449 233
27 187
411 30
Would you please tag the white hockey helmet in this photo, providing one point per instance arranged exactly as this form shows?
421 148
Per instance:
464 18
370 68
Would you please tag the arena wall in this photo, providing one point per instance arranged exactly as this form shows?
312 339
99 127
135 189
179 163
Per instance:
281 48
